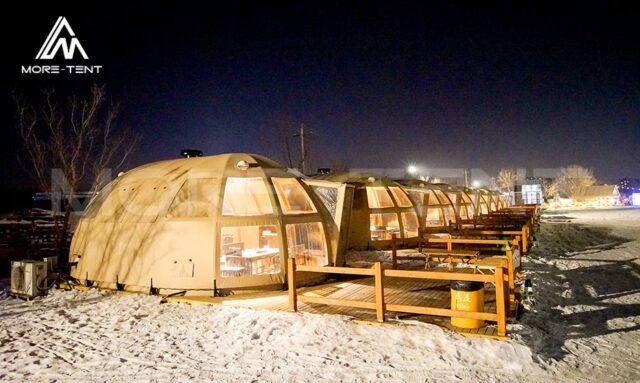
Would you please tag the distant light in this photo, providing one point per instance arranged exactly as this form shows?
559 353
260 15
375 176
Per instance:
412 169
371 180
476 184
635 199
189 153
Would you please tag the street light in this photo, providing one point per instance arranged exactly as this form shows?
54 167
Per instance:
476 184
412 169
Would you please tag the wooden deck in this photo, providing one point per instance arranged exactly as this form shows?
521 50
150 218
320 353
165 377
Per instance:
403 291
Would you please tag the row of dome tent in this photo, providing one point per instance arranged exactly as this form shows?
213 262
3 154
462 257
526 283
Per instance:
404 207
231 221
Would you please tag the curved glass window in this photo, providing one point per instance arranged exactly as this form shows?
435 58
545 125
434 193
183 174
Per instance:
292 196
400 196
246 197
434 217
378 197
483 205
383 225
410 224
328 196
249 250
307 243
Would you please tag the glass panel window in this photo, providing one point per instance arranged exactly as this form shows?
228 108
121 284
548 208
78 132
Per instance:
246 197
194 199
467 205
249 250
329 198
449 214
483 206
382 225
453 197
378 197
442 197
434 217
292 196
432 198
463 212
400 196
469 211
307 244
410 224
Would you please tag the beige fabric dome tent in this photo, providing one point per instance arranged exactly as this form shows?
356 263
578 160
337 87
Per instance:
181 224
380 208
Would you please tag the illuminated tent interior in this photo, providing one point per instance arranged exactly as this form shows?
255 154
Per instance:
380 208
183 224
434 206
461 201
481 200
500 199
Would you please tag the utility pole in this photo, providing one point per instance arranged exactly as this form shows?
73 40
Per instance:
303 148
466 177
303 151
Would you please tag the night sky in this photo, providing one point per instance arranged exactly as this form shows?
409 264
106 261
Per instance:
380 85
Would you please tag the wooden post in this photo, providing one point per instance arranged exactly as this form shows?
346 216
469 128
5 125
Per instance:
500 302
525 238
291 281
421 235
394 251
510 274
379 286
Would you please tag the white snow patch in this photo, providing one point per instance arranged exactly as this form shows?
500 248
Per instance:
584 326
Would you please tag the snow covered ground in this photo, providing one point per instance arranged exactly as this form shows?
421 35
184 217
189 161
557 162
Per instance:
585 326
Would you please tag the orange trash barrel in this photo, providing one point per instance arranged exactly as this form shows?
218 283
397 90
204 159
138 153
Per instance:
467 296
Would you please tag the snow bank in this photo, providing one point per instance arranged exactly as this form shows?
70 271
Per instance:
585 326
100 336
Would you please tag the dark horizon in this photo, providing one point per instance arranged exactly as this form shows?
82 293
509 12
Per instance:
468 87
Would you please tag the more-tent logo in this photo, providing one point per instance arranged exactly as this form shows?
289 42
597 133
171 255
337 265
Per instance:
62 42
55 42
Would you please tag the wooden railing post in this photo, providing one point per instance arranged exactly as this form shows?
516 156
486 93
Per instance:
394 251
525 238
379 287
511 272
291 281
501 297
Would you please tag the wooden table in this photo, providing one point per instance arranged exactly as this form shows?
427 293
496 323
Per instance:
440 255
450 256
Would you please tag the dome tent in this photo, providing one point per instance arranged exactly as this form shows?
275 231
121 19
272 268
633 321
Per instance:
433 203
181 224
379 209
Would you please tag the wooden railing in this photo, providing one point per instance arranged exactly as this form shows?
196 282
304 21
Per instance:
507 247
380 306
523 234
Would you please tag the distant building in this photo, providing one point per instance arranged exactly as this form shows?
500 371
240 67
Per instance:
597 195
529 191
